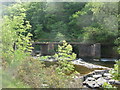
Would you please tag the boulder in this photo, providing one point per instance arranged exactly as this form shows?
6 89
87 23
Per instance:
97 76
90 79
96 85
84 86
112 81
107 75
108 78
92 84
117 82
99 71
44 85
101 81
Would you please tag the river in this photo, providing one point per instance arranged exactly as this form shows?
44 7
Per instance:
107 62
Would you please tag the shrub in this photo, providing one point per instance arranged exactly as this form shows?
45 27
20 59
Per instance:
54 80
107 86
42 58
116 71
64 55
8 82
30 72
64 52
33 73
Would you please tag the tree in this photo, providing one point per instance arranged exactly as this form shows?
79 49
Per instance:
71 20
15 41
99 16
63 56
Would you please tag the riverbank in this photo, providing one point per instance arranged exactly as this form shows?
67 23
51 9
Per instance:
93 76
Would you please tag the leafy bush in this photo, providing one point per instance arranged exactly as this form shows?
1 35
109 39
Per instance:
63 56
55 80
116 71
8 82
44 57
30 72
107 86
33 73
65 52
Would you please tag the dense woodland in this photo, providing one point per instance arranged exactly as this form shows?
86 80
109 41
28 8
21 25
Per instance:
25 23
71 21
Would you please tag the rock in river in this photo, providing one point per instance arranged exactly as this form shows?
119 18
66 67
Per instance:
101 81
97 76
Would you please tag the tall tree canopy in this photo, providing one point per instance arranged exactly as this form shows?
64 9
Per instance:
72 21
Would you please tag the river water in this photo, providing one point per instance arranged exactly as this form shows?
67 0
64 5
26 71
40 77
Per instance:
107 62
103 62
84 70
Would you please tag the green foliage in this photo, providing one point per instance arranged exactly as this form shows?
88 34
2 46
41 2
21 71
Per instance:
50 20
15 41
93 22
90 33
107 86
33 73
69 20
117 42
63 56
116 71
54 80
8 82
16 44
65 52
86 22
30 72
58 31
44 57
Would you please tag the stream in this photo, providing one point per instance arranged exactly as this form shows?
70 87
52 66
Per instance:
84 70
87 67
107 62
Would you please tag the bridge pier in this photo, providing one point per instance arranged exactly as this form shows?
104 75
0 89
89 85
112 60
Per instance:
96 50
90 50
47 49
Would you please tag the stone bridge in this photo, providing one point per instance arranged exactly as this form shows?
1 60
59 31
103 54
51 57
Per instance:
84 49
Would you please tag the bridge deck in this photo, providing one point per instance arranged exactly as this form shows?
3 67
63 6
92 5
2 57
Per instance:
72 43
78 43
